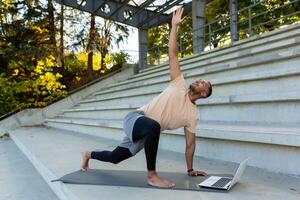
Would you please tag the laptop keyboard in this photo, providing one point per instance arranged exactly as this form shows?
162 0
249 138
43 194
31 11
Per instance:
221 182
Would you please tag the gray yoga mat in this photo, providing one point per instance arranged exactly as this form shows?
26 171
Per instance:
134 179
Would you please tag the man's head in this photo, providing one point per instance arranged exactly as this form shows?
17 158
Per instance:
201 88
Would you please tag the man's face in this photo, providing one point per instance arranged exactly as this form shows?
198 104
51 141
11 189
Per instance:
199 87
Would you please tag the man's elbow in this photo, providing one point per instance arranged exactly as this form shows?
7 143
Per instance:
190 145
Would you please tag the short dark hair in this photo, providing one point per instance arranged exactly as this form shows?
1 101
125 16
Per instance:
209 90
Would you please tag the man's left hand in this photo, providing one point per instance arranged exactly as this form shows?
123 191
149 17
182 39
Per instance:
197 173
176 19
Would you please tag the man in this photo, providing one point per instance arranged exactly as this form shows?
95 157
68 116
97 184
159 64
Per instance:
174 108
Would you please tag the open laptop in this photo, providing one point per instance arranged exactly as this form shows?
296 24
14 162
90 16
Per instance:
224 183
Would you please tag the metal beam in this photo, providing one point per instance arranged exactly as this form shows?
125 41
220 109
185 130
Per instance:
140 15
187 9
89 7
99 6
158 7
80 2
141 24
135 3
116 10
140 9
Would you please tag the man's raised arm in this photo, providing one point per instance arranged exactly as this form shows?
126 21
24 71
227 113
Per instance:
173 47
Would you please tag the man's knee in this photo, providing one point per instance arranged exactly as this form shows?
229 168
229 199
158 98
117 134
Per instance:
115 161
119 154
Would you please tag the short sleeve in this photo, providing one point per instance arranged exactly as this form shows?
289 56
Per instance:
192 125
179 82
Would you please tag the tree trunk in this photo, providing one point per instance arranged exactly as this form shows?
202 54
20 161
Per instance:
90 50
104 52
61 52
52 28
90 66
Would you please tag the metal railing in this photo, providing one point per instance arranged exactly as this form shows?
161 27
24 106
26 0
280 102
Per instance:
218 32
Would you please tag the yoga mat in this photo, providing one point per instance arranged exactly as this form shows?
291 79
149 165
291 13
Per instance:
135 179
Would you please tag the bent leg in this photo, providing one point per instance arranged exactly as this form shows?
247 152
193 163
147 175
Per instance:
117 155
148 129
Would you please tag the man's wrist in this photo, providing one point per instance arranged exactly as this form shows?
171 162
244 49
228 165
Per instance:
175 25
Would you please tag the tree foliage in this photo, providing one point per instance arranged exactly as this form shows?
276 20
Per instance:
28 68
30 64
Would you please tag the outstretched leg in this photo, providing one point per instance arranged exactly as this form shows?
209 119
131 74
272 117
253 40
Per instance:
149 129
117 155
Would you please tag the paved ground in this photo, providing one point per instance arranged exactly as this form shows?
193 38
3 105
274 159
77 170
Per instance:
60 151
18 178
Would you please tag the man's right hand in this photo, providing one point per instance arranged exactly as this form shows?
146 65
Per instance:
176 20
197 173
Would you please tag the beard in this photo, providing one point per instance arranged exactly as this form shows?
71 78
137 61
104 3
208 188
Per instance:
193 88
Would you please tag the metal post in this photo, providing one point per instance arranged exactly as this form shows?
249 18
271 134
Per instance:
158 53
198 15
250 21
142 48
234 20
209 35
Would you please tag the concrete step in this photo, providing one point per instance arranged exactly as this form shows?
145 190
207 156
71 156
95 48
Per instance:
221 62
227 108
237 139
211 59
99 112
239 129
66 146
234 73
266 82
248 84
18 177
259 41
236 52
265 109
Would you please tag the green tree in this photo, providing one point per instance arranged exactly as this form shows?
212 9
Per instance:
28 68
33 65
110 32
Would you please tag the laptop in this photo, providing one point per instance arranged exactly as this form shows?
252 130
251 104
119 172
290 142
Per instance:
224 183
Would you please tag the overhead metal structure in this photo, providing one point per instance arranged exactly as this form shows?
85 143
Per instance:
142 14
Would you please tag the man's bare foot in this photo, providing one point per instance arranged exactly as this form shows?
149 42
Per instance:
156 181
86 156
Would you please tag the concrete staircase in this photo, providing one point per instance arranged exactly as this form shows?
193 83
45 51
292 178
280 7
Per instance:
253 112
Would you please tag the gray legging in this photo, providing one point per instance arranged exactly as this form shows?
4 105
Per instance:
144 127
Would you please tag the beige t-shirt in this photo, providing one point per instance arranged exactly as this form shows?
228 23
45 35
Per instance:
172 108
